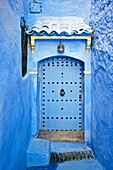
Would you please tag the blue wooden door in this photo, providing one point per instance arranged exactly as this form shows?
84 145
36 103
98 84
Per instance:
61 80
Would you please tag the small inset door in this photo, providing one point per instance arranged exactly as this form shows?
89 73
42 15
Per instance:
61 81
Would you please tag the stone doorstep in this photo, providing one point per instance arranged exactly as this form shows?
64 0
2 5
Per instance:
62 136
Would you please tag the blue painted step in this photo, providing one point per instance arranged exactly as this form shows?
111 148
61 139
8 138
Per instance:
61 147
38 152
73 165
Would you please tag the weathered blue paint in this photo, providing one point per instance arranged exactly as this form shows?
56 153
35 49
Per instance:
63 8
35 7
72 165
14 90
38 152
102 82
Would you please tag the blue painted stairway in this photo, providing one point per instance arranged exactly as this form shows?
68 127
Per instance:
39 153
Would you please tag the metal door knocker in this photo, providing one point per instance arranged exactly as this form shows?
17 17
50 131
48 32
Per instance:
62 92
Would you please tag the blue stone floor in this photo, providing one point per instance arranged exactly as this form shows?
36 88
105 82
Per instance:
73 165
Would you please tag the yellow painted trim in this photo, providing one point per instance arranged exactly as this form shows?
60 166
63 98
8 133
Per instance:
33 38
87 72
35 72
32 45
88 44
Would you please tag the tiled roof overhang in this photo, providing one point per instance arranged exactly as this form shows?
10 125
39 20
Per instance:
60 26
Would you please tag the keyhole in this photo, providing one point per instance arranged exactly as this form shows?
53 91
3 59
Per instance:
62 92
62 75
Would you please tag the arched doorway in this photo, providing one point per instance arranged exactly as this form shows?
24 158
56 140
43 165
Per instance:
61 98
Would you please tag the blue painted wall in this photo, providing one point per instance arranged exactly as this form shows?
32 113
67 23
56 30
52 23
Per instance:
63 8
102 81
14 90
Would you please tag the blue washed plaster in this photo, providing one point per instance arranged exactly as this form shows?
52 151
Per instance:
38 152
14 90
72 165
63 8
102 82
